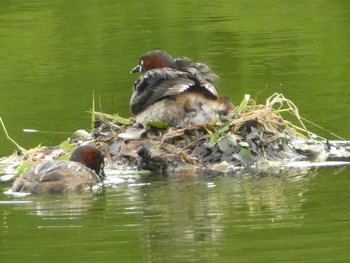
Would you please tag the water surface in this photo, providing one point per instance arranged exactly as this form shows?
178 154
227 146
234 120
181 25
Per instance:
300 217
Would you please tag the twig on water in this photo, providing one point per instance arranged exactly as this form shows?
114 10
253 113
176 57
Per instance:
9 138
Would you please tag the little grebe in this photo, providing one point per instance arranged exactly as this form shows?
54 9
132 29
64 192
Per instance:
152 163
83 170
178 92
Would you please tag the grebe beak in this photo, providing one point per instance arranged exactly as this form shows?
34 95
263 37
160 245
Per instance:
138 68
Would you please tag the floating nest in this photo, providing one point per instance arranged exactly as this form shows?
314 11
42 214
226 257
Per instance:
256 137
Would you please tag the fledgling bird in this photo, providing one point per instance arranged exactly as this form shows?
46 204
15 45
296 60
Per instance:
152 163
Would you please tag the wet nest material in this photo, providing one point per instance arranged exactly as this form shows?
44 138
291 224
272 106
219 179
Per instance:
257 136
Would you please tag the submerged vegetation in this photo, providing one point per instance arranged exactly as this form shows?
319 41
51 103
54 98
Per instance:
257 135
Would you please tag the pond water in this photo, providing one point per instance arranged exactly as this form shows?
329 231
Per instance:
56 54
300 217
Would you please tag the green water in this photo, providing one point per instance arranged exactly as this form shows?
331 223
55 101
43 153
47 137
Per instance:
55 54
286 218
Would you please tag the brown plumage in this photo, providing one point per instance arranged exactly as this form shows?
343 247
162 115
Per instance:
178 92
83 170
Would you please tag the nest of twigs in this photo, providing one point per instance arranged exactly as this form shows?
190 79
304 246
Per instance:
256 134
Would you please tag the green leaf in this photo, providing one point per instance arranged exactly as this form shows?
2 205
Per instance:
65 145
93 111
214 137
245 153
224 128
158 124
65 157
23 167
241 108
121 120
113 117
